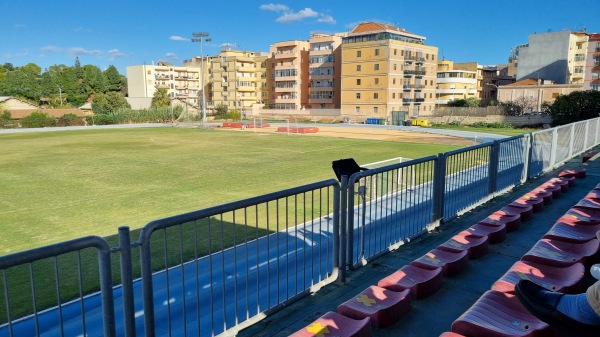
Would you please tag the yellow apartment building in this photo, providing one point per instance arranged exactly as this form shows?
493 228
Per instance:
181 82
387 73
453 84
324 71
287 73
237 79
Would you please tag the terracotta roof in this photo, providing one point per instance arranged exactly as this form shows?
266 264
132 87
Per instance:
373 26
527 81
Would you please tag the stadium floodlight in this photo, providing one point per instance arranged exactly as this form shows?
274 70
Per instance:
199 37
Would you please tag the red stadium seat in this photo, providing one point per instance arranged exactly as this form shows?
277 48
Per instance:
589 203
571 232
452 263
421 282
497 314
536 202
563 183
511 221
555 189
476 245
384 307
525 211
559 279
544 194
578 173
496 234
334 324
559 253
581 216
451 334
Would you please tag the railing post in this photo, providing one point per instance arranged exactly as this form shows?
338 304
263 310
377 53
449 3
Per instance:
571 140
147 286
553 149
439 177
493 167
585 135
127 281
527 153
344 246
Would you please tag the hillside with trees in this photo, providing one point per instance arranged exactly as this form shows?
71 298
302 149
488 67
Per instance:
59 85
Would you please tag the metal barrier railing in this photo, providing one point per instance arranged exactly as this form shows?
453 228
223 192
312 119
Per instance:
220 269
48 268
225 267
379 202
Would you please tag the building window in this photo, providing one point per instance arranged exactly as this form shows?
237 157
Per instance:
358 53
357 109
375 95
555 95
375 109
393 81
395 51
393 95
358 95
358 68
376 66
377 52
376 80
358 81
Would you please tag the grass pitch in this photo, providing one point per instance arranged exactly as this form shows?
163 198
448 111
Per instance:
56 186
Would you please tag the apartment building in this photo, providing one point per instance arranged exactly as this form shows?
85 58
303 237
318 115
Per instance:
288 73
453 84
181 82
556 56
237 79
387 73
324 71
592 65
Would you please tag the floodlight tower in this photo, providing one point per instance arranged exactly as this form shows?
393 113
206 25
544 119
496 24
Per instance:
199 37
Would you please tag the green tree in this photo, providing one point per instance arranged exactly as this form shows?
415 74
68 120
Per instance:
510 108
93 80
472 102
23 82
576 106
109 103
160 98
221 111
114 81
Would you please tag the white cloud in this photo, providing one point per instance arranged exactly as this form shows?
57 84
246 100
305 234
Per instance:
178 38
288 15
172 56
114 53
17 55
326 19
274 7
83 51
299 16
52 48
228 45
19 25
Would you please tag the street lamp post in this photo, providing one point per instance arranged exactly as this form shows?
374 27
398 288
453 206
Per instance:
199 37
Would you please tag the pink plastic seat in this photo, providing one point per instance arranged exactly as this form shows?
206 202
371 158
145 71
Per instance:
571 232
589 203
451 334
452 263
577 173
563 183
559 279
497 314
544 194
570 180
525 211
536 202
384 307
511 221
593 195
559 253
555 189
334 324
581 216
476 245
421 282
496 234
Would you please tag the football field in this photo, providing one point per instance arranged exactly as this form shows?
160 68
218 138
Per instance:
56 186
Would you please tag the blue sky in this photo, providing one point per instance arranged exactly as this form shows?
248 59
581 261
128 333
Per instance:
125 32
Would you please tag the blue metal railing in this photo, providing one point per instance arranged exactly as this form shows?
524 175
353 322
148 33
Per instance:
217 270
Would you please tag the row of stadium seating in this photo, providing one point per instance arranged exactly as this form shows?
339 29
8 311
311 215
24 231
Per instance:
391 299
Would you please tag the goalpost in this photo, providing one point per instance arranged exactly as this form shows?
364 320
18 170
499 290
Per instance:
405 176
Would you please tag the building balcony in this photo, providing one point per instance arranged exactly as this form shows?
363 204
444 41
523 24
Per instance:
285 55
441 101
320 100
246 89
407 100
287 89
158 85
406 88
450 91
248 98
420 73
417 87
285 100
419 100
246 69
